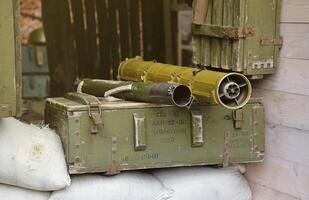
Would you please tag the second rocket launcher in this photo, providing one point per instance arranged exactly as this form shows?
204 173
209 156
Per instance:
163 93
231 90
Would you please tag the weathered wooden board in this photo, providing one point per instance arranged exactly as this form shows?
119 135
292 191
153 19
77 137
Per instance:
135 28
287 144
101 35
168 40
125 36
281 175
295 11
104 43
80 39
114 36
260 192
285 173
285 108
292 77
153 30
60 46
295 40
91 33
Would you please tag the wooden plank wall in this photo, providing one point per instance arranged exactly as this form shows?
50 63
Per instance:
60 45
99 34
285 173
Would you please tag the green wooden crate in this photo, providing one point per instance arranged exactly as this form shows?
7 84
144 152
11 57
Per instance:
35 71
34 59
239 35
35 86
112 136
10 59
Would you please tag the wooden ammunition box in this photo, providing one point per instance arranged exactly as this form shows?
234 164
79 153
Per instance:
112 136
239 35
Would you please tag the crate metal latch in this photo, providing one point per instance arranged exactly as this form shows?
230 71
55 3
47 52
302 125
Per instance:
139 132
238 117
95 116
94 109
197 137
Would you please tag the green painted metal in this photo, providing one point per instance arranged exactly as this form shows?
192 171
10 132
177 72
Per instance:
34 59
37 37
35 67
164 93
35 86
35 71
112 136
10 59
239 35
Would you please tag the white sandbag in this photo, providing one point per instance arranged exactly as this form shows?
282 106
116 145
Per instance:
8 192
203 183
125 186
31 157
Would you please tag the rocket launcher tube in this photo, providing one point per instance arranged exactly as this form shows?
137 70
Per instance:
231 90
163 93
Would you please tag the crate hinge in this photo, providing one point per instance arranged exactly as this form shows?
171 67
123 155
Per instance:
226 150
228 32
113 168
238 117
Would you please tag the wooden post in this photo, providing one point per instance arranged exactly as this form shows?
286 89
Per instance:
200 11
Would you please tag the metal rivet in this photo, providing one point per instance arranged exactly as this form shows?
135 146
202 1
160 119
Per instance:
3 108
77 159
227 117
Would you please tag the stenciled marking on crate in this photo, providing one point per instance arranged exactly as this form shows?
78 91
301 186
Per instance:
240 139
168 140
140 157
168 123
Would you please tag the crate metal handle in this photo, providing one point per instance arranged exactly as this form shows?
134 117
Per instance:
83 98
139 132
94 109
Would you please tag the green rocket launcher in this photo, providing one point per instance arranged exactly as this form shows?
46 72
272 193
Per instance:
163 93
231 90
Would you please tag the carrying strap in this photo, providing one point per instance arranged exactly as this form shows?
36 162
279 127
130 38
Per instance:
117 90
